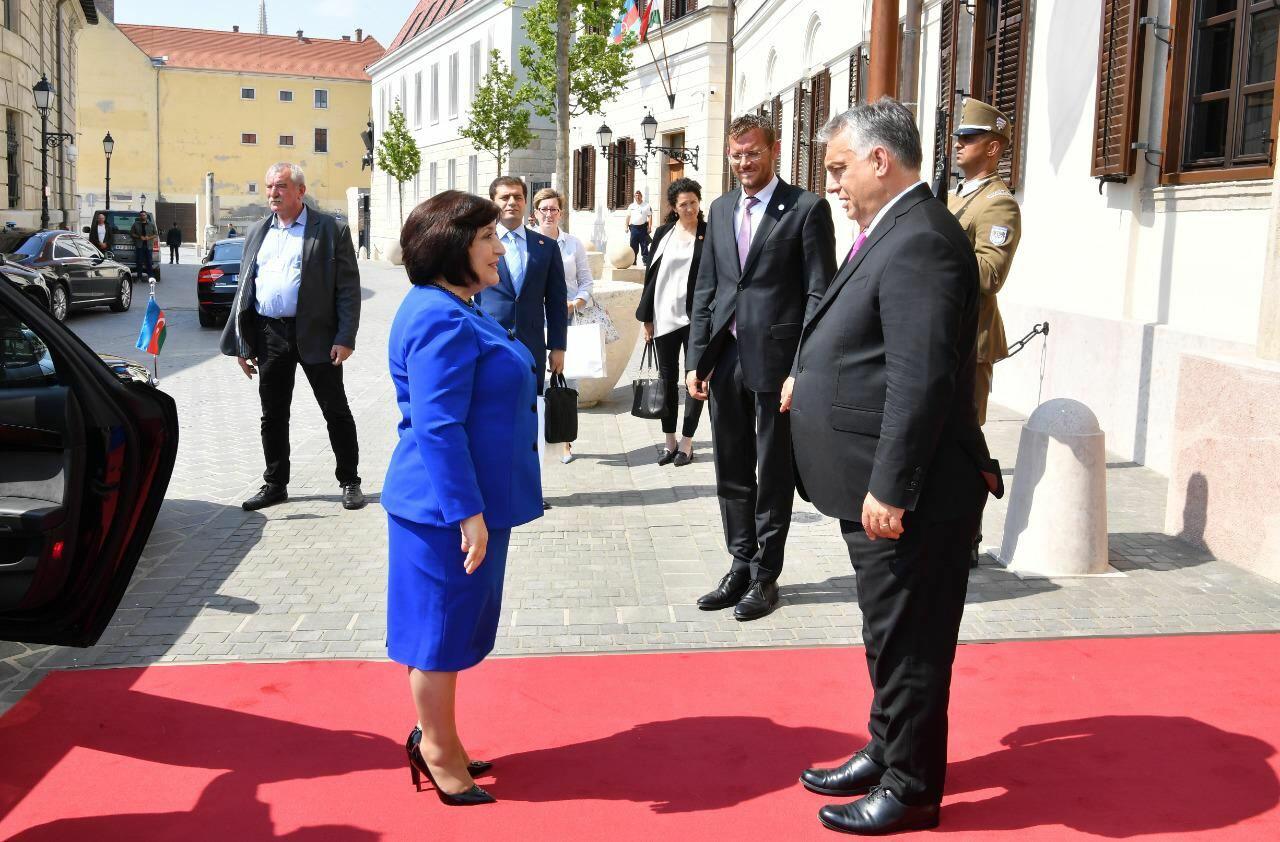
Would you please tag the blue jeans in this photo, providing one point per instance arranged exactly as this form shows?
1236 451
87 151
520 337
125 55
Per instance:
142 260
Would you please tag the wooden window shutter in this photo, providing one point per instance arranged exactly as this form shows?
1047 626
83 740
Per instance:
1115 119
690 6
999 55
611 188
947 59
577 179
589 156
800 142
775 113
857 76
820 85
668 10
630 173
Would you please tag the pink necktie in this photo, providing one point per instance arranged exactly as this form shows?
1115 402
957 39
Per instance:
857 244
744 248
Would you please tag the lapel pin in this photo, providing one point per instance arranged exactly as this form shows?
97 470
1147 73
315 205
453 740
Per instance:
782 207
542 242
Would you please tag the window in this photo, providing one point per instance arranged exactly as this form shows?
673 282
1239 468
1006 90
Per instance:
286 96
322 140
584 178
248 93
1115 118
25 361
252 188
63 247
433 183
622 176
286 140
249 138
10 20
473 174
1000 55
453 175
13 156
435 94
321 98
475 74
403 101
1221 121
672 9
453 86
417 100
811 108
382 109
947 98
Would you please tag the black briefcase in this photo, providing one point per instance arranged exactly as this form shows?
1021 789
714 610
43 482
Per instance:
648 391
561 421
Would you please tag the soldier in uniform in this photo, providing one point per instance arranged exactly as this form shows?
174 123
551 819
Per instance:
988 213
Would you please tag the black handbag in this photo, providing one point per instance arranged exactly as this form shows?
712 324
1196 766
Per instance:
648 391
561 421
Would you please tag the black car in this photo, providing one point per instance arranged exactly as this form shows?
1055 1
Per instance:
122 244
77 273
29 282
217 280
87 450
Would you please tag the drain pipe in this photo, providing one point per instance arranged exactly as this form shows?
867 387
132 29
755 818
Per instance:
909 75
728 89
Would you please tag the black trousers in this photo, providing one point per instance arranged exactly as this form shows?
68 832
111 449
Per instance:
640 241
911 592
755 473
173 254
668 348
278 363
142 259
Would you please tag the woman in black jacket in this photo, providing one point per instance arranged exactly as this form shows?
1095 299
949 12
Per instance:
666 303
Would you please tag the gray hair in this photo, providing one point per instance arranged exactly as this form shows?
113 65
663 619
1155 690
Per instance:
296 175
885 122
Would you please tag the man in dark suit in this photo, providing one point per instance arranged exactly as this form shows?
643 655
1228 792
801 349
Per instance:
530 298
887 440
769 254
298 303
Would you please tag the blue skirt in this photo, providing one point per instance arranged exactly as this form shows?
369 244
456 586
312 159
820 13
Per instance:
438 617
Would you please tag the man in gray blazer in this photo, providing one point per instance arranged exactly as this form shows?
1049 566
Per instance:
298 303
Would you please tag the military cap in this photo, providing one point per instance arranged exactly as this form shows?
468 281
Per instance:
976 117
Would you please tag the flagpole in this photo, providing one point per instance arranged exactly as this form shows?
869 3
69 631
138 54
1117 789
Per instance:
155 358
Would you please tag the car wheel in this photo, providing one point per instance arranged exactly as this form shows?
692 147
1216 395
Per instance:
207 319
58 301
124 295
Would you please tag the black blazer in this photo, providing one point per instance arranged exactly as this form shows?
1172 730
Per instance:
328 300
102 246
883 398
791 261
644 312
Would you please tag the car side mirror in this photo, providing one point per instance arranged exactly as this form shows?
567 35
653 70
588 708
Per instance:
84 230
110 255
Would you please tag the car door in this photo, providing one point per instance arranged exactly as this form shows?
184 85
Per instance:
99 275
73 268
86 461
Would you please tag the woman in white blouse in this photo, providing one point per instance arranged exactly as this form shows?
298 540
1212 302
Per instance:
666 303
548 206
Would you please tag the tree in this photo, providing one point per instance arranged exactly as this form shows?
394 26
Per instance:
398 154
597 68
497 124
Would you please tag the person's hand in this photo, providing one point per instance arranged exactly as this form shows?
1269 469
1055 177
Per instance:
648 331
573 307
697 388
880 520
788 385
557 361
248 366
339 354
475 542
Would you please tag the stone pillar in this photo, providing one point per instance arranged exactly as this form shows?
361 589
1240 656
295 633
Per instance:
882 76
1057 519
1269 306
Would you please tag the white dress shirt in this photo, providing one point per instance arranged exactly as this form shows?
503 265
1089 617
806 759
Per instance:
279 274
757 212
884 210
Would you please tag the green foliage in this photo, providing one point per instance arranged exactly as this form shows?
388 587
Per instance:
398 154
597 68
497 124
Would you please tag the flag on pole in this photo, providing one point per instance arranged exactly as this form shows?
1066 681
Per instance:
636 18
151 338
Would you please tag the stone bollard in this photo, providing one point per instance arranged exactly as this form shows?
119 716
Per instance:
1056 524
619 301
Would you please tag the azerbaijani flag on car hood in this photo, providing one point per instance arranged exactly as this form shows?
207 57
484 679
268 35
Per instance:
151 337
637 16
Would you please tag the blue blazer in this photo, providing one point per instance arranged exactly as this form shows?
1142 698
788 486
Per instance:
469 417
542 302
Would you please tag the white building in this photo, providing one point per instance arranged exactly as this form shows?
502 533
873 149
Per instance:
433 68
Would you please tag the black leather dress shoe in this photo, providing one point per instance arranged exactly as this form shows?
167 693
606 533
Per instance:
759 601
682 458
666 456
352 496
728 592
855 777
268 495
878 814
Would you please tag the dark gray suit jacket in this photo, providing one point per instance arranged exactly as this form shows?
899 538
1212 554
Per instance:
792 258
883 398
328 301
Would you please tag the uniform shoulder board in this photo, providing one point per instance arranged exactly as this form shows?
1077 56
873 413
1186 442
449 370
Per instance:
996 194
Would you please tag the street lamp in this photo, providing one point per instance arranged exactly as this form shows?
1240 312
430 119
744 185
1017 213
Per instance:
675 153
143 200
605 136
108 146
44 92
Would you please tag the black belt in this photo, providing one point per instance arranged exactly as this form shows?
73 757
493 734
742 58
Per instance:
287 320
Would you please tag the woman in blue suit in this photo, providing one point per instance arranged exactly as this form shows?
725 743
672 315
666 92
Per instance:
463 474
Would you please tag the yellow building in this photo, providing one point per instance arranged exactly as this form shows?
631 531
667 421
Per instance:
198 115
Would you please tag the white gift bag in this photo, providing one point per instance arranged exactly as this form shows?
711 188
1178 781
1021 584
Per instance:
584 351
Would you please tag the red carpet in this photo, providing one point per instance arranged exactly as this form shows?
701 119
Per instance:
1165 738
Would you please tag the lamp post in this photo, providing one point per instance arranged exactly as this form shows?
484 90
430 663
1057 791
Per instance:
108 146
675 153
143 201
604 135
44 92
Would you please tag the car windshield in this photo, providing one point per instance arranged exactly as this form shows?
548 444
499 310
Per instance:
227 252
26 243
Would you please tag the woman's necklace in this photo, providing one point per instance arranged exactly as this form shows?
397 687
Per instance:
466 301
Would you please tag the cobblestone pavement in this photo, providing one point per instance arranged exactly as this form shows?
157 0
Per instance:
615 565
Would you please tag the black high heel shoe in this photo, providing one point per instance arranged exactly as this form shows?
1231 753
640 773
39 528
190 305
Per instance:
474 767
418 767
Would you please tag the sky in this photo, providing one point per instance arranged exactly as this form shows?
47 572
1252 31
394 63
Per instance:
319 18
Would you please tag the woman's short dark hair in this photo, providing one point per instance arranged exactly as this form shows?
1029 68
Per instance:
682 185
436 238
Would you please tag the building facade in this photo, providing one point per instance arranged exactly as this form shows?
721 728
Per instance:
432 70
40 38
182 104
